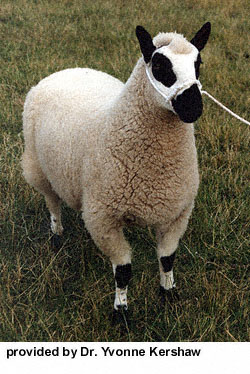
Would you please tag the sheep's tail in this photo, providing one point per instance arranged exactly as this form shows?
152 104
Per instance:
32 171
29 159
29 115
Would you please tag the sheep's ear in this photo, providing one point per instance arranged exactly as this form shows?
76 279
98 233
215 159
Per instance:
201 37
146 43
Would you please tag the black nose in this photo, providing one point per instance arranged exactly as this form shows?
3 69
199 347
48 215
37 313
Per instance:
188 105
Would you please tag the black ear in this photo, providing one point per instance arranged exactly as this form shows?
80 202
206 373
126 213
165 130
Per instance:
146 44
201 37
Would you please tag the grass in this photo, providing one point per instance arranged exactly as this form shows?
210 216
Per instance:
66 295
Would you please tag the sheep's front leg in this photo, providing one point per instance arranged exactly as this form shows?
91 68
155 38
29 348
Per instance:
108 236
167 242
116 247
122 275
121 263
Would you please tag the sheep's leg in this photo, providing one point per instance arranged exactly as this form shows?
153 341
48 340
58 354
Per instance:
54 205
108 236
35 177
167 242
116 247
122 275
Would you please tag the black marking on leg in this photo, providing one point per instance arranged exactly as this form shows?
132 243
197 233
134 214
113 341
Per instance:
123 274
171 295
167 262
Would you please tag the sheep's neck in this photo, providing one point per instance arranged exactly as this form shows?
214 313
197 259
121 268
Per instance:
144 130
136 107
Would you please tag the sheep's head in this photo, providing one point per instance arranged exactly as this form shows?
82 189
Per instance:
172 66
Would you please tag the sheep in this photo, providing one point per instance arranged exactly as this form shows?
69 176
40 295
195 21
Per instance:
121 153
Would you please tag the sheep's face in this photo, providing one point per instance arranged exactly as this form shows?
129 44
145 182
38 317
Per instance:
173 69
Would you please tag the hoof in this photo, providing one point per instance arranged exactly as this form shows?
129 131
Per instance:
121 316
169 296
56 241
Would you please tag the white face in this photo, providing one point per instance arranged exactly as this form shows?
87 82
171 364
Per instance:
173 73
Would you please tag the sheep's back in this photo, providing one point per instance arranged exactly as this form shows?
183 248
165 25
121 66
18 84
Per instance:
69 108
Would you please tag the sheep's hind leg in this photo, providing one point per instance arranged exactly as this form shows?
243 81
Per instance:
35 177
54 206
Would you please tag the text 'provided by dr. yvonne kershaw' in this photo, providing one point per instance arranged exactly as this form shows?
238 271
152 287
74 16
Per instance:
84 351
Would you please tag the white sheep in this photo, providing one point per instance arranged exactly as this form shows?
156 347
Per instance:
121 153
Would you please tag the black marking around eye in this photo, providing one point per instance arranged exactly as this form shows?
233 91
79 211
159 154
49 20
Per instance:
162 70
197 66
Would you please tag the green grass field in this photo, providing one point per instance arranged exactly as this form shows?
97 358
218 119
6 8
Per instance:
67 294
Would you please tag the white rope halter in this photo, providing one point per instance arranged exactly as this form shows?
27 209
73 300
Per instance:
178 89
185 85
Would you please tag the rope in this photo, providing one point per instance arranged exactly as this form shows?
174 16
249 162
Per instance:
225 108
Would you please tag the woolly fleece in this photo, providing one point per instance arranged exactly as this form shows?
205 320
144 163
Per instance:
112 151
